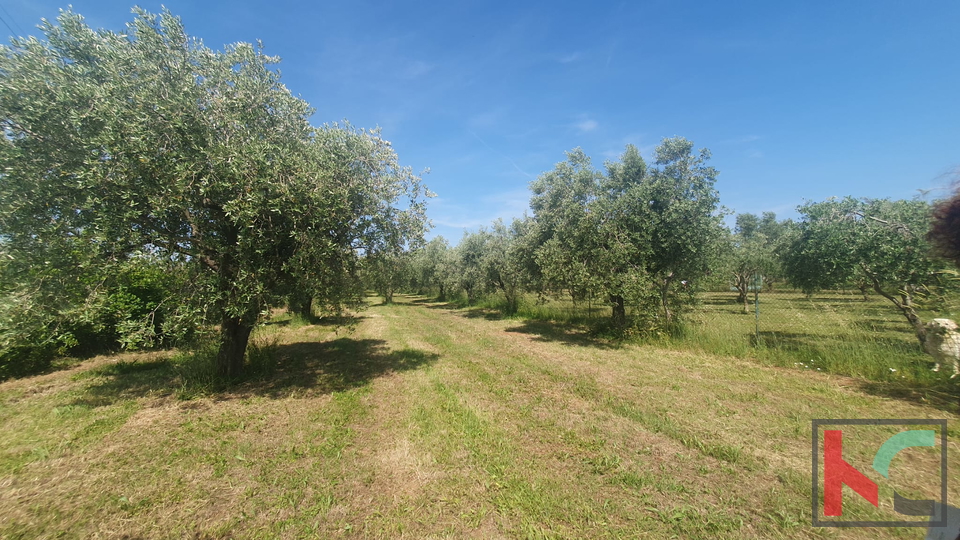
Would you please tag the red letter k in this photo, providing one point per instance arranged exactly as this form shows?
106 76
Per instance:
837 472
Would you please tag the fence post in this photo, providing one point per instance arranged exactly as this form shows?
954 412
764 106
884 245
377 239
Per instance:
757 283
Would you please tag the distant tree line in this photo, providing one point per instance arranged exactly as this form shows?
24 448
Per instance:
652 238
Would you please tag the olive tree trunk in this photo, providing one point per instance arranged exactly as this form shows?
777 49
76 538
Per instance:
665 298
619 310
905 304
234 336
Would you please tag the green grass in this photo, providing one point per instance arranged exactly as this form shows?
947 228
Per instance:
834 332
426 422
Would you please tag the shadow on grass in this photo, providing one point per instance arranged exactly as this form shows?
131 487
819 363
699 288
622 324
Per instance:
943 395
277 371
435 304
795 341
833 301
717 300
937 392
324 321
482 313
334 366
571 334
128 379
881 324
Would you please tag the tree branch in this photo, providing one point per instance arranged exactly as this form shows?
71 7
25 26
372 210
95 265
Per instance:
895 226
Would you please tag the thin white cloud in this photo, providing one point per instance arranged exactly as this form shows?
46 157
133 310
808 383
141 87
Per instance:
417 69
573 57
742 140
504 205
453 222
485 119
501 154
587 126
511 203
647 151
610 55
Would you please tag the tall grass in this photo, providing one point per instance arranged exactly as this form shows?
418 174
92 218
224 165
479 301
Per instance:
548 309
836 331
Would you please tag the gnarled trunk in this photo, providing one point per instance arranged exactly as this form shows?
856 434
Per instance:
512 301
863 290
234 335
740 281
387 293
905 304
302 306
665 298
619 310
510 293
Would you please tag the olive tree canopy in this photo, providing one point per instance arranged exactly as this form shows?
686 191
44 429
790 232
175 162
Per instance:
148 141
637 234
879 241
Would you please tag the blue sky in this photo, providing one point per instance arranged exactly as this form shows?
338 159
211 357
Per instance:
797 101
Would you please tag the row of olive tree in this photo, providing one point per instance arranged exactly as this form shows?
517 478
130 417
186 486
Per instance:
753 249
630 235
874 245
652 237
148 144
484 262
637 235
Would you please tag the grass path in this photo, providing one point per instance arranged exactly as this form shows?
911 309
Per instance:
424 422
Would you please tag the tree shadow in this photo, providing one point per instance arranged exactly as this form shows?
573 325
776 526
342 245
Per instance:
715 300
941 394
794 341
482 313
435 304
154 376
334 366
318 320
280 370
880 324
944 395
568 333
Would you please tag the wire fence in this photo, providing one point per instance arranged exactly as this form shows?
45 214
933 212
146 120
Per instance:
850 331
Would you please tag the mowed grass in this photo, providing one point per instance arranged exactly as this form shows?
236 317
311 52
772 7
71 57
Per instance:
422 421
831 331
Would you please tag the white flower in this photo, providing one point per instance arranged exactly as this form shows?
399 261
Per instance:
892 370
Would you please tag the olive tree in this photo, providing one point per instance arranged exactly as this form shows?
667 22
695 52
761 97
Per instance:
565 240
504 261
427 268
467 269
637 234
879 241
753 249
146 140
